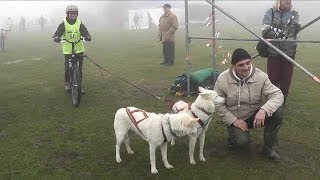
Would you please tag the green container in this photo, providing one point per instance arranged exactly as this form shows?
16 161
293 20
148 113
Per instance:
201 77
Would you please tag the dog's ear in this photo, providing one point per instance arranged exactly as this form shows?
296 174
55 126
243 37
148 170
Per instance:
204 95
201 89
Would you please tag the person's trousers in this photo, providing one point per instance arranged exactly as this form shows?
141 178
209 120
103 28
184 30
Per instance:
280 72
168 52
66 66
239 138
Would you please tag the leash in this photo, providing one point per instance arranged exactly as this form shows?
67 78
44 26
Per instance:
126 81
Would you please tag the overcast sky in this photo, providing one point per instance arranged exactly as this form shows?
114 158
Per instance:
34 9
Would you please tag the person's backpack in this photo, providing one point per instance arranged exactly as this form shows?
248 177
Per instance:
203 77
262 47
180 84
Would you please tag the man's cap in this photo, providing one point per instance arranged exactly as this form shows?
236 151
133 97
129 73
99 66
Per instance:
238 55
166 6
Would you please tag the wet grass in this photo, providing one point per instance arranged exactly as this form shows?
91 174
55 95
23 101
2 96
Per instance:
42 135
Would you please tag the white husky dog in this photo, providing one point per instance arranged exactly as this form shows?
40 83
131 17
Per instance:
157 129
203 108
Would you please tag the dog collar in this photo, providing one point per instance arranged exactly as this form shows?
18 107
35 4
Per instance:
163 134
201 122
170 129
172 133
205 111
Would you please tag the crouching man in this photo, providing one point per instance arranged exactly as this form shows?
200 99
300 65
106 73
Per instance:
245 87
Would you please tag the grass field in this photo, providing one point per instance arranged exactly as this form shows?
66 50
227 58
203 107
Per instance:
43 135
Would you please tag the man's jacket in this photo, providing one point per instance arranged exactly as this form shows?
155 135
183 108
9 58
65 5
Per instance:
168 24
245 97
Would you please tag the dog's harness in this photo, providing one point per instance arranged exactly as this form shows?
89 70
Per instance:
202 124
164 135
135 122
178 110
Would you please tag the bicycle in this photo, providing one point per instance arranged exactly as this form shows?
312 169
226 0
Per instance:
75 74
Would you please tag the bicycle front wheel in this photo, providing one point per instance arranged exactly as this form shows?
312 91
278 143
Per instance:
76 86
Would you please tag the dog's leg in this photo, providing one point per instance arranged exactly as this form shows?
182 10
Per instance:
152 149
164 148
120 137
127 143
201 143
192 144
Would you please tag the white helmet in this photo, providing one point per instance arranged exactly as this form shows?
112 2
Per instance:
71 7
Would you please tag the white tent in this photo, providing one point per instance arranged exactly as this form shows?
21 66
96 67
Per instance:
152 15
138 19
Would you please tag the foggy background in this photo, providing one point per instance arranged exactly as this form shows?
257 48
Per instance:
113 15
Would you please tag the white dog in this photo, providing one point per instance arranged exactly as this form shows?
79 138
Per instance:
203 108
157 129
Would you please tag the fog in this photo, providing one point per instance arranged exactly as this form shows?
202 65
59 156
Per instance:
113 15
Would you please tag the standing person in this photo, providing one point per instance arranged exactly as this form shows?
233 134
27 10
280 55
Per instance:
10 24
22 24
42 21
136 19
168 24
71 29
244 87
285 24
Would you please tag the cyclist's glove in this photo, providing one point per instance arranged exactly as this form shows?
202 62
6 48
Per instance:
87 38
56 39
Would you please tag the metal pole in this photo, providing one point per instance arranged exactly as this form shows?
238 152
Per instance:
243 39
2 39
268 43
188 64
213 18
308 24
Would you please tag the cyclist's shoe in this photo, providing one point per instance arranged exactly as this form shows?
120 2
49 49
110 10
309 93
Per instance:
67 87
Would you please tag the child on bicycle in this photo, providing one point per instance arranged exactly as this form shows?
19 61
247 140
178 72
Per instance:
72 29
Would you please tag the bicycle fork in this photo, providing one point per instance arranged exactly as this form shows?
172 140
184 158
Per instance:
73 81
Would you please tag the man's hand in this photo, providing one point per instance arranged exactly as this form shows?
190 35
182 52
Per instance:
259 119
241 124
57 39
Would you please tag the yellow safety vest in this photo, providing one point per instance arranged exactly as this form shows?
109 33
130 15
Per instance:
72 34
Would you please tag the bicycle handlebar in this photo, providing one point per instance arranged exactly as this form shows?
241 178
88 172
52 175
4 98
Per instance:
65 40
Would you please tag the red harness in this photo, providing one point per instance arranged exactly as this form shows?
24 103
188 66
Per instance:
135 123
195 116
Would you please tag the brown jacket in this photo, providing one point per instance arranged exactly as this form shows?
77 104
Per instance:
168 24
245 97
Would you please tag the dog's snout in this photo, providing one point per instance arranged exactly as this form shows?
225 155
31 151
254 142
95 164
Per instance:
219 100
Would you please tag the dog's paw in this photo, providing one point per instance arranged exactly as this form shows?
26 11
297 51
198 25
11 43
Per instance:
202 159
169 166
130 152
154 171
119 160
192 162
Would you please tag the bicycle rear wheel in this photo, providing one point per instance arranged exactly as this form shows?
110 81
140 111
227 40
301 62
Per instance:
76 86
